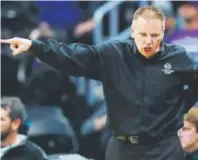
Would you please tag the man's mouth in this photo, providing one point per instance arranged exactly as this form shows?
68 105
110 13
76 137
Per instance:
147 49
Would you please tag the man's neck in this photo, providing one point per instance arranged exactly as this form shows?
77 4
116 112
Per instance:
9 140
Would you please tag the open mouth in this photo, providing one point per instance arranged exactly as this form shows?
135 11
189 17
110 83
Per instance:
147 49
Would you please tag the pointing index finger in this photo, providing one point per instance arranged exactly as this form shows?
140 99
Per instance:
9 41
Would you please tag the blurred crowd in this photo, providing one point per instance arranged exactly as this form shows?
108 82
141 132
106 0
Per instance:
66 115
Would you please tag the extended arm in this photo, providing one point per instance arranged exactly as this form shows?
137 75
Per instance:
74 59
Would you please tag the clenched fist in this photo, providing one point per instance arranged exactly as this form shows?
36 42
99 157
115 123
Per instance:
18 45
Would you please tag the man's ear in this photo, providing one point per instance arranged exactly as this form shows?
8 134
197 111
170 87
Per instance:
133 28
132 34
162 36
132 31
16 124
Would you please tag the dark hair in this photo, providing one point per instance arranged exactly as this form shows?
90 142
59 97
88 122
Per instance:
15 107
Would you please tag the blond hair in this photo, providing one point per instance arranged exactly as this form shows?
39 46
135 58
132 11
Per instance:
151 13
192 117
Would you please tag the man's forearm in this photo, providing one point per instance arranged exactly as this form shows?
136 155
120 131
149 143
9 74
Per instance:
74 59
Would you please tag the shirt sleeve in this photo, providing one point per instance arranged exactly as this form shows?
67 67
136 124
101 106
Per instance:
195 70
73 59
196 79
194 82
188 66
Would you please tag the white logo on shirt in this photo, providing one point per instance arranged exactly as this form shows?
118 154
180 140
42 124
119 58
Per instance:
167 69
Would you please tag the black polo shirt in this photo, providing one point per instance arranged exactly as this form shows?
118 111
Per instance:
143 96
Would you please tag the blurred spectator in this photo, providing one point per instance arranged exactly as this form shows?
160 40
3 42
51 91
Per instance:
82 32
189 13
188 35
94 124
189 134
15 146
100 122
42 32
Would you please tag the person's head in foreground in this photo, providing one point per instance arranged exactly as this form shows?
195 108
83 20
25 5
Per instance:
13 115
189 132
147 30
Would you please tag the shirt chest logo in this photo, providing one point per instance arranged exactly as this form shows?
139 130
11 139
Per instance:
167 69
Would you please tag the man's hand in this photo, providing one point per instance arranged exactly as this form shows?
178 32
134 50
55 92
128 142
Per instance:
18 45
99 123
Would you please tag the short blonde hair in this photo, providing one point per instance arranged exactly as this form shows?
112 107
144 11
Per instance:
151 13
192 116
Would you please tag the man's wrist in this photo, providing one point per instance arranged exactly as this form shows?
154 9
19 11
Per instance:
36 47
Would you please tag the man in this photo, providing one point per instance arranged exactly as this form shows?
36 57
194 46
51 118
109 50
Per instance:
15 146
189 134
143 80
187 36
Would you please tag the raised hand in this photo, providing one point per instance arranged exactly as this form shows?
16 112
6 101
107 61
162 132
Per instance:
18 45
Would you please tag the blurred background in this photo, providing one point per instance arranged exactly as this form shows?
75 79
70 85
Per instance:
75 107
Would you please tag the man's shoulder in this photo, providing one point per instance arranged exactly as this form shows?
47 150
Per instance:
119 43
26 150
179 52
125 41
34 148
175 48
114 48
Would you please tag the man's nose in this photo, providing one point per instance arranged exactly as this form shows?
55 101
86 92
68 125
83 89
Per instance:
148 40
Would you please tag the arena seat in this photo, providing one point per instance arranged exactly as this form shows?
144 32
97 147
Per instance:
51 130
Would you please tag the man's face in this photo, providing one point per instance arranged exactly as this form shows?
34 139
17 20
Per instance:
147 34
6 124
188 135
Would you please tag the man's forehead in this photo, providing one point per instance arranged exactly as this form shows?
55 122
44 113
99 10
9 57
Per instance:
151 26
189 124
5 111
148 20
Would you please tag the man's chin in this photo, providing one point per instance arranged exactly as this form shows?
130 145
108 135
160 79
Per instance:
185 145
148 54
3 136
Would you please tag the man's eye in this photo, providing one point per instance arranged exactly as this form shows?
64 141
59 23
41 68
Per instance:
185 129
142 34
154 35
